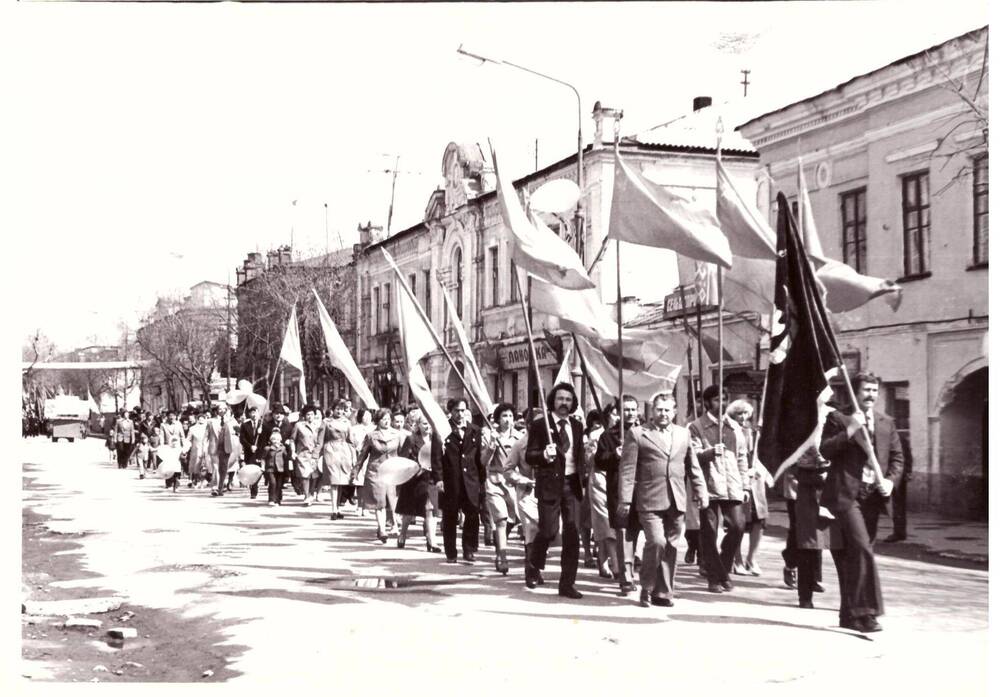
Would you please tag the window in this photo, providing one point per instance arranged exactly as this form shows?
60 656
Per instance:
513 389
387 306
427 292
853 217
981 210
376 315
916 223
494 276
513 281
458 278
413 284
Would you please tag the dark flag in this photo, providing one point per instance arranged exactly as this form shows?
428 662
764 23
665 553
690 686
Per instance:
803 358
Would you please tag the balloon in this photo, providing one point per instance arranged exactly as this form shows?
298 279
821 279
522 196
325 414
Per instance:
250 474
397 470
170 461
556 196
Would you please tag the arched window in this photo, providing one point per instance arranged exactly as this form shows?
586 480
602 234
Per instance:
458 275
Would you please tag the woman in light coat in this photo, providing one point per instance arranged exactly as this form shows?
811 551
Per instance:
379 445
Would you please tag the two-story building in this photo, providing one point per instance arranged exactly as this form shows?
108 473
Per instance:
898 176
461 248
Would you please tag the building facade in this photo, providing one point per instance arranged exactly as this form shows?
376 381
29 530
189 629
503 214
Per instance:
184 344
898 177
461 248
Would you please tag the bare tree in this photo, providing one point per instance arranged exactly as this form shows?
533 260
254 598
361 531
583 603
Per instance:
265 302
974 118
185 343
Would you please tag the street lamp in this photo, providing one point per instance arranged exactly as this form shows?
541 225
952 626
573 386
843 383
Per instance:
578 217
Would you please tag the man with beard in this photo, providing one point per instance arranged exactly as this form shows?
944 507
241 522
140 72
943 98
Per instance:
856 498
555 451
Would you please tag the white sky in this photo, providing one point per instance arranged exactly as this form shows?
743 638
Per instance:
153 145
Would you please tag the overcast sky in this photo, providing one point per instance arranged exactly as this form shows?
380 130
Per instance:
156 144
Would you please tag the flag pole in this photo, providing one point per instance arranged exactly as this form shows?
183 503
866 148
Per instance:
621 357
430 328
692 397
618 292
534 358
586 373
718 156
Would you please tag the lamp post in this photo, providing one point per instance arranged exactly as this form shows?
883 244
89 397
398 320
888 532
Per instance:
578 217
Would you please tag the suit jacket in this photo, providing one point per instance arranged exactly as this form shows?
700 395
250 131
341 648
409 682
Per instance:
550 476
228 442
654 466
460 463
847 460
251 435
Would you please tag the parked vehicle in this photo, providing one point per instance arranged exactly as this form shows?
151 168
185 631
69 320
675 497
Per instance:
67 417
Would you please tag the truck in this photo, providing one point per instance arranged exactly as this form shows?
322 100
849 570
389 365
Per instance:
67 417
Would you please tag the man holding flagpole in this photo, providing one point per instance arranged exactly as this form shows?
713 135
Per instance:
555 451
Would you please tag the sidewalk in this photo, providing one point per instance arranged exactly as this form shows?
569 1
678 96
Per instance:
930 538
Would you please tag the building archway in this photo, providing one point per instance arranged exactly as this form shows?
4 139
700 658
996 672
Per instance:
963 410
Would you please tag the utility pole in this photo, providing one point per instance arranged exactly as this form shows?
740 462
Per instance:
746 81
395 172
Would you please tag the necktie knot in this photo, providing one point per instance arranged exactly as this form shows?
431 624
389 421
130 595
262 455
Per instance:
563 437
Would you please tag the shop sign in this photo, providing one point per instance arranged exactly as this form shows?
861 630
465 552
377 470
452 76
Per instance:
515 356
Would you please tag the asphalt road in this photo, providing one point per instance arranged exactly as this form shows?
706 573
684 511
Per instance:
284 597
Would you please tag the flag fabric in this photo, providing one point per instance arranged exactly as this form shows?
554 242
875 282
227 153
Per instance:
565 374
291 351
340 357
803 357
418 342
846 289
657 376
746 229
645 213
534 247
473 376
91 403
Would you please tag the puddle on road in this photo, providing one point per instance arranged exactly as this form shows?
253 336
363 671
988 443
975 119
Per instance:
386 583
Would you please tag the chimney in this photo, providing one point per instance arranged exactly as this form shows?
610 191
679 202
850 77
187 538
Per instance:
701 102
600 115
370 234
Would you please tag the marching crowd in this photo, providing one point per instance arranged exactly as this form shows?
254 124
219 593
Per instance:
661 484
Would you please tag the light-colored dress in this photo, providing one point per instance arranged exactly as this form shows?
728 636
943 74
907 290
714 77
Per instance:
359 432
501 499
339 456
198 454
308 449
379 446
520 475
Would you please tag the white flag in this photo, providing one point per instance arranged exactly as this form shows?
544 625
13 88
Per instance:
846 289
417 342
472 374
291 351
536 248
340 357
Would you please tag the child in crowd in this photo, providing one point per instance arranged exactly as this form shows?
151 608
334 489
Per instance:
141 455
275 463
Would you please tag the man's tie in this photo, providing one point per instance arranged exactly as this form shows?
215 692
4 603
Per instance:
563 437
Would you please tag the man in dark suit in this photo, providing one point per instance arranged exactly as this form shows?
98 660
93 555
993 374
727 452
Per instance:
655 462
607 459
555 452
462 477
251 441
856 496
